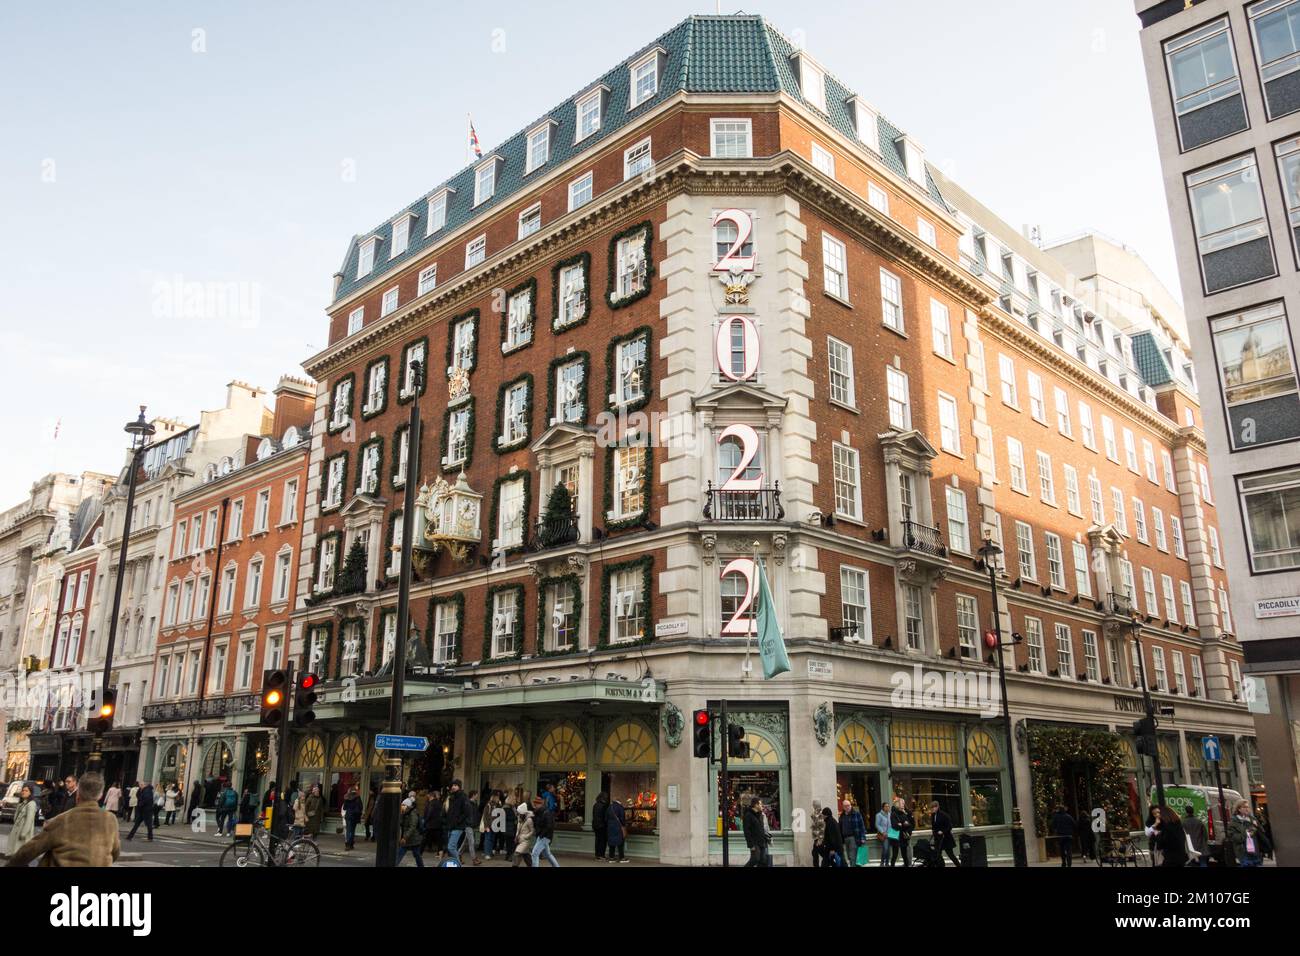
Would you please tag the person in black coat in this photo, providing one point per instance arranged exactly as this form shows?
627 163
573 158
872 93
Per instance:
941 831
1170 838
352 808
756 837
248 806
600 823
143 811
433 822
1086 839
832 840
1063 830
901 819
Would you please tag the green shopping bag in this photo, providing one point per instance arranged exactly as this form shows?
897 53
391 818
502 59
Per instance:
864 855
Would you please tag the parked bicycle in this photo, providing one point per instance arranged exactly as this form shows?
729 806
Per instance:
262 848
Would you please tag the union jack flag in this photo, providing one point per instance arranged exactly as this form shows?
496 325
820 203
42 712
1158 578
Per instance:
473 142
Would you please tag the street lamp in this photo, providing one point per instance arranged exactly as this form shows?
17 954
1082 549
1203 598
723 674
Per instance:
990 552
390 797
140 431
1149 731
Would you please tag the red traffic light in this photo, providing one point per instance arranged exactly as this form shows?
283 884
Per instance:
990 639
307 681
701 717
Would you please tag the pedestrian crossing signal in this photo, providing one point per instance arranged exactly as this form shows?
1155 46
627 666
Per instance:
275 699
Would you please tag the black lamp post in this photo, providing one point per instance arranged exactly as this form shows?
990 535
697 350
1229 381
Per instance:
390 797
990 552
1149 705
140 431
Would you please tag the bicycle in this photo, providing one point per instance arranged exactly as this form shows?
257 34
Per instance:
262 848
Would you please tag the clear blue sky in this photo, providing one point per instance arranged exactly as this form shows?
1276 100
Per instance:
128 160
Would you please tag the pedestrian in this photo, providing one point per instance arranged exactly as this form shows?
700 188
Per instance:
369 816
82 835
551 798
1265 832
220 807
196 802
901 825
883 826
299 825
1243 836
315 806
1086 838
157 805
412 840
248 806
143 811
853 830
232 809
434 834
941 834
472 831
832 840
268 802
489 820
616 831
1197 838
24 825
64 798
170 799
1062 826
458 819
756 836
132 801
1170 838
600 823
817 827
525 835
352 810
544 826
113 799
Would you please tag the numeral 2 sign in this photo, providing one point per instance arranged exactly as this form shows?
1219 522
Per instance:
743 223
739 622
748 438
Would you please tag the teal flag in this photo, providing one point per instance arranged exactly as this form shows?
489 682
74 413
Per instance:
771 646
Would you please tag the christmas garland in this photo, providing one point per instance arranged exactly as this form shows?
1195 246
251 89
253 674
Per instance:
616 303
543 585
529 286
527 477
367 414
611 371
551 374
516 638
526 379
318 596
642 518
377 441
457 602
445 447
351 381
1051 747
646 565
343 483
361 646
581 259
401 377
471 316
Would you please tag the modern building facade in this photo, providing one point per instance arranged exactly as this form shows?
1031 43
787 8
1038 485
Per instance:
1225 94
711 312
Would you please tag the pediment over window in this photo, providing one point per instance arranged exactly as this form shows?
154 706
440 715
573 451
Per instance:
563 437
740 398
909 449
362 505
1105 536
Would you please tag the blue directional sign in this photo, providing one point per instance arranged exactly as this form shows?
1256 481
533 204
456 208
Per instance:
397 742
1211 750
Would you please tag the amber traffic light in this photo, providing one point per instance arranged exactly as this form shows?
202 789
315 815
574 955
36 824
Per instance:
275 700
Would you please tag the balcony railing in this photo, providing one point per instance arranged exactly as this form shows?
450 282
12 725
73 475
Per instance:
923 538
557 532
761 504
845 632
208 707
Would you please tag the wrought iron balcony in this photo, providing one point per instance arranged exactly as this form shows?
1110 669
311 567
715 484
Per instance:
556 532
923 538
208 707
845 632
760 504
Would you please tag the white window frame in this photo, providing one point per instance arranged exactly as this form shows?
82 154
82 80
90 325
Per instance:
847 477
835 267
721 125
839 363
638 158
585 182
475 251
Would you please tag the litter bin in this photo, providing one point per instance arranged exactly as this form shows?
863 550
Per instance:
974 849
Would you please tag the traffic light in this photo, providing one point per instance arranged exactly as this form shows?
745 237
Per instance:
275 697
303 699
703 733
1145 731
102 722
737 745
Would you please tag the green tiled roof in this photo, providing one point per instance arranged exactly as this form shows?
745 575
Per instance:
1150 360
705 54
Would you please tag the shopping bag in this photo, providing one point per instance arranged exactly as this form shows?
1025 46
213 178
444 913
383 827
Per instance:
864 856
892 834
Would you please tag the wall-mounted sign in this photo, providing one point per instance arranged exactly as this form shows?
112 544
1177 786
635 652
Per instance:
1278 607
675 627
823 669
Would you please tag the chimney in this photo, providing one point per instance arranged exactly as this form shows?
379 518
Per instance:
295 401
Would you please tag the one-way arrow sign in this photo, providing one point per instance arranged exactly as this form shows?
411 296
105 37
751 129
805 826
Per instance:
397 742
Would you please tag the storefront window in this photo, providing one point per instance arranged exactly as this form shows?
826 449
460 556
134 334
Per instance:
750 779
919 789
501 764
172 769
345 769
218 765
311 761
855 747
562 759
630 745
931 748
986 806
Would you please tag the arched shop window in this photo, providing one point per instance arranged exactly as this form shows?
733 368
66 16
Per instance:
172 768
629 762
562 761
763 775
346 764
857 768
924 767
309 768
501 763
216 770
984 779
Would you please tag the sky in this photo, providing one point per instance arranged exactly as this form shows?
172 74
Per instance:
153 150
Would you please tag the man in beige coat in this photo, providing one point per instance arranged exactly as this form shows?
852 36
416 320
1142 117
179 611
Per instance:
83 835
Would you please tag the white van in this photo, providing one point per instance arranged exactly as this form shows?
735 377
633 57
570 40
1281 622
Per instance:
1204 802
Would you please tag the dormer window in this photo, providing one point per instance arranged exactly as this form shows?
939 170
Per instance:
865 122
366 257
539 146
913 159
645 78
401 236
438 211
812 81
590 110
485 180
